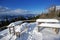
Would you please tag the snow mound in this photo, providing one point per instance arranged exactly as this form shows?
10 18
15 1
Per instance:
15 23
21 27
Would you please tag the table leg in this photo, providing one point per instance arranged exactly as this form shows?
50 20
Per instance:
38 28
9 30
18 34
57 30
14 30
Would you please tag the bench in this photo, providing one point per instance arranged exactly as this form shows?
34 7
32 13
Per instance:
50 25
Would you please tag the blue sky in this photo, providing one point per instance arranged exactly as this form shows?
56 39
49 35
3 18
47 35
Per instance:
32 5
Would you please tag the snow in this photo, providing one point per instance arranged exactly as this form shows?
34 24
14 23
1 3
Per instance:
32 33
35 35
47 20
57 7
49 25
21 27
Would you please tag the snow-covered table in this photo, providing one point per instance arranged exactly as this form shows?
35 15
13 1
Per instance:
50 25
12 26
15 23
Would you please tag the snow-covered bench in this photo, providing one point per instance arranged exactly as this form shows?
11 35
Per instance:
50 25
39 21
21 29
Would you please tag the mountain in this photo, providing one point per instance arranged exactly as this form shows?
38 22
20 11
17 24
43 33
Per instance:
25 16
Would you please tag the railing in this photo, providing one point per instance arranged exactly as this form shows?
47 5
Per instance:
3 28
28 20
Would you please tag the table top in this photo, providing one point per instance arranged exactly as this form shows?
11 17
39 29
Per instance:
47 20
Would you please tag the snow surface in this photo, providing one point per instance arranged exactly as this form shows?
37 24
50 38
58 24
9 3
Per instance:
57 7
32 34
47 20
21 27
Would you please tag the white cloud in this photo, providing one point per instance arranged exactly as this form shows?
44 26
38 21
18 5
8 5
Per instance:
19 11
6 10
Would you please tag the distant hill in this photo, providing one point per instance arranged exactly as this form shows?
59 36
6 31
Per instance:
21 16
